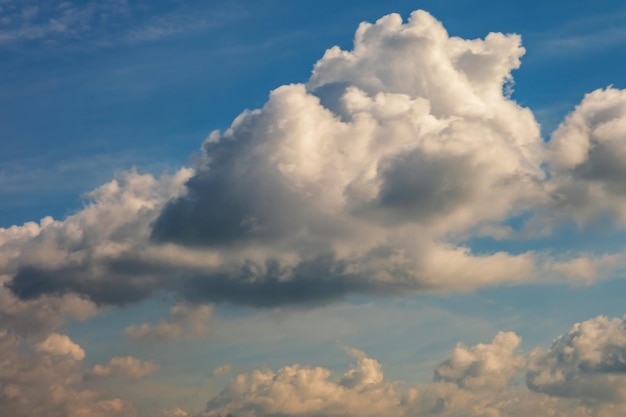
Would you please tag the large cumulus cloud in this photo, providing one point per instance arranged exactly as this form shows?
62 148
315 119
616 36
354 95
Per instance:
368 179
351 182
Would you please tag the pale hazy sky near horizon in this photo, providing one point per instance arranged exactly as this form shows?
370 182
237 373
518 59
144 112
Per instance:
312 208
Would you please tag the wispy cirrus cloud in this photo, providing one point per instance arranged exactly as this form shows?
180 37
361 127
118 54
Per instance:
583 36
103 24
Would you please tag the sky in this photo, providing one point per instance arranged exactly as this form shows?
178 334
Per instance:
312 208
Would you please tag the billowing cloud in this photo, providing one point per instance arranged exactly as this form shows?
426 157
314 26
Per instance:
127 367
589 361
92 252
41 379
311 198
310 391
484 365
588 159
61 345
371 178
182 321
40 367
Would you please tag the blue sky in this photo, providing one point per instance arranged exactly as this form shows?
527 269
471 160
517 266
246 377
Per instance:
422 209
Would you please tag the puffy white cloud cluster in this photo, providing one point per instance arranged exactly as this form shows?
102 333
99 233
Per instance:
589 361
61 345
42 379
94 251
304 390
483 365
578 376
183 321
41 369
588 154
356 179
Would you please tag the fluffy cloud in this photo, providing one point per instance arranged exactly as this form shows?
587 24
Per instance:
309 391
182 321
41 379
40 368
484 365
127 367
588 158
588 361
475 381
368 179
353 180
59 344
93 251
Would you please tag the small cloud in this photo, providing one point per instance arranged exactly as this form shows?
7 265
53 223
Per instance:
127 367
176 412
61 345
222 370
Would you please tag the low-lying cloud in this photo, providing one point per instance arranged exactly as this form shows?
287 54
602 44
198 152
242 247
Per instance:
476 381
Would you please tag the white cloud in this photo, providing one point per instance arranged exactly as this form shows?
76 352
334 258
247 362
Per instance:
303 390
588 159
484 365
89 249
59 344
475 381
588 361
41 379
367 180
126 366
